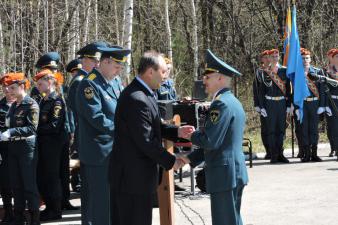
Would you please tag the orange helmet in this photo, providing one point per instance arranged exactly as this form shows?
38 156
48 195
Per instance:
12 78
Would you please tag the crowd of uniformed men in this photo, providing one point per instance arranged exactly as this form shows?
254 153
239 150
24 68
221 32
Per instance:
272 94
38 127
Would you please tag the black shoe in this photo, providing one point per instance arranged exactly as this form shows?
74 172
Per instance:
8 216
47 215
178 188
282 159
274 160
68 206
331 154
267 156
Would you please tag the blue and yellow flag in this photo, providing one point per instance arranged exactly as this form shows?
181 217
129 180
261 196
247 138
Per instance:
295 70
287 34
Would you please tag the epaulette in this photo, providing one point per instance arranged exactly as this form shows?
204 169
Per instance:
92 76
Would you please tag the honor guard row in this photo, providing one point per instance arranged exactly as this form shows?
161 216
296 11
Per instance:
273 100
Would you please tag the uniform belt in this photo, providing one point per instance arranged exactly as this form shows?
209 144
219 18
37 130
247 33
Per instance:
277 98
21 138
334 96
310 99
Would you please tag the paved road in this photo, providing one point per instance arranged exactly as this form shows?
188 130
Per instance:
291 194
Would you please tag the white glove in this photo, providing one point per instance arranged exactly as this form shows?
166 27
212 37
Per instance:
320 110
297 114
258 109
263 113
328 111
5 135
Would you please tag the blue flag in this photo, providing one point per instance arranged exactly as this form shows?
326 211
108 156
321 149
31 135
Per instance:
295 70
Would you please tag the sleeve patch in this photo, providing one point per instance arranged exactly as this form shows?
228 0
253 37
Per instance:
89 92
214 116
57 110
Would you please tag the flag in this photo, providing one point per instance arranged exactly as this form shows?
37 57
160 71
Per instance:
287 33
295 68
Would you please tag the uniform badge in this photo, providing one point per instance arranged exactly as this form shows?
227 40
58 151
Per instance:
89 92
57 110
214 116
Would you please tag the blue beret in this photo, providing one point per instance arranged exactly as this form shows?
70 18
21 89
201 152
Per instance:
92 50
75 64
48 60
214 64
119 55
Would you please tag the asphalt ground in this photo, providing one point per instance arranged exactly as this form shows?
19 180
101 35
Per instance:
280 194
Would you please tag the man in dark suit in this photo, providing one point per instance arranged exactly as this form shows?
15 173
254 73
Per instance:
95 107
137 151
221 144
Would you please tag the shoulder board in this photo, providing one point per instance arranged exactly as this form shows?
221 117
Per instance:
92 76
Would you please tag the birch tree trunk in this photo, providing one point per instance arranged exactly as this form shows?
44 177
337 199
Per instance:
86 26
45 30
2 56
96 19
194 39
167 25
117 28
127 34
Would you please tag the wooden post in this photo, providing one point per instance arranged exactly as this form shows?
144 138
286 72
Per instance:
166 190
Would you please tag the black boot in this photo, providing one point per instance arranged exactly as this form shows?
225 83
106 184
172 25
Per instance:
66 205
282 159
306 157
8 215
274 159
52 211
35 217
300 152
19 218
331 153
314 156
267 155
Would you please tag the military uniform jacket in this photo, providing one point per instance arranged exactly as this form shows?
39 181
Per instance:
268 87
23 118
52 115
137 150
166 91
95 106
320 87
333 90
221 141
74 83
3 112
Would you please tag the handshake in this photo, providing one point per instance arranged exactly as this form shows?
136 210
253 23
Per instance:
182 159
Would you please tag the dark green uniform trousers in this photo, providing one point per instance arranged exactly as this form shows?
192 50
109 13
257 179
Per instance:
226 207
95 194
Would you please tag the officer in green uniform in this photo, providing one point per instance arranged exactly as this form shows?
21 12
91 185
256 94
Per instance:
307 131
95 106
221 144
275 93
22 121
5 189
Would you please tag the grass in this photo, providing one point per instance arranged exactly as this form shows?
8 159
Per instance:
253 133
